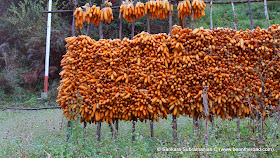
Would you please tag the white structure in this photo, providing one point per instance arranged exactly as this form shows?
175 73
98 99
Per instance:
47 51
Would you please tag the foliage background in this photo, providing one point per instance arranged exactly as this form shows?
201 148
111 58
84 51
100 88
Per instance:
23 36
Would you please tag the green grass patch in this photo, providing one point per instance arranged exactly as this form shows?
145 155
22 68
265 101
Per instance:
28 133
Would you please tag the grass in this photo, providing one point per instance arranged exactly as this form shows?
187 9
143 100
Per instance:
29 99
27 133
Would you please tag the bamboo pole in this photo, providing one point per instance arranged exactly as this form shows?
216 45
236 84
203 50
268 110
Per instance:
211 20
170 19
250 14
235 17
206 110
266 13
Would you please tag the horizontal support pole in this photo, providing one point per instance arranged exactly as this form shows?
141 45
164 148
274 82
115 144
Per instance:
173 1
57 11
42 108
243 1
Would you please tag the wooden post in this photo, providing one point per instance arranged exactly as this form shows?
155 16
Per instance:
133 130
192 19
133 23
132 29
266 13
73 21
152 128
238 128
195 119
149 31
277 110
148 21
174 126
88 25
235 17
213 121
116 128
100 30
194 125
260 126
112 129
100 24
120 31
61 122
253 120
170 19
99 131
250 14
206 110
68 134
85 125
181 20
181 23
211 20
